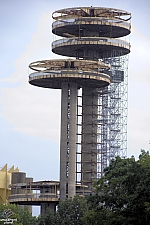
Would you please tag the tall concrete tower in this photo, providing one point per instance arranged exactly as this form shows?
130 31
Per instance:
93 85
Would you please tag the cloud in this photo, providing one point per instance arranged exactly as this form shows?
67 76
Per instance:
138 135
36 49
31 110
139 34
139 65
139 90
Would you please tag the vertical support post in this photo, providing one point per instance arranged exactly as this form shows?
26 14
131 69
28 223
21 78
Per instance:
28 180
72 141
68 140
63 141
89 136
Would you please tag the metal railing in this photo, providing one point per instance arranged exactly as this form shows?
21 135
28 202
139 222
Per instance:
33 195
97 40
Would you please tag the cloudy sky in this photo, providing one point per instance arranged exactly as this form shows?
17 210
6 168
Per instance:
30 116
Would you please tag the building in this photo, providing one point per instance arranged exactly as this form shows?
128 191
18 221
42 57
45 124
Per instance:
93 83
17 188
28 193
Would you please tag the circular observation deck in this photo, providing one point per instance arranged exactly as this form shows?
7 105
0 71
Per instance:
52 73
104 22
77 47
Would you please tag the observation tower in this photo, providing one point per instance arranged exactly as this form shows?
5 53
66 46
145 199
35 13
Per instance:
93 83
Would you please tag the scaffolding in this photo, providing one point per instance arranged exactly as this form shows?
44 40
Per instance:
112 122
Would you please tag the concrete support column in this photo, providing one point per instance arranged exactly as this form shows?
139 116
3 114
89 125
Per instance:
89 136
63 141
27 180
72 141
45 206
68 140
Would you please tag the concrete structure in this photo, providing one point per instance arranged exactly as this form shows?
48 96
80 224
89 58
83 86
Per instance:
41 193
94 91
20 178
46 194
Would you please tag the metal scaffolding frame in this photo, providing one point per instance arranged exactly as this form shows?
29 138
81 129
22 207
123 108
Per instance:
112 119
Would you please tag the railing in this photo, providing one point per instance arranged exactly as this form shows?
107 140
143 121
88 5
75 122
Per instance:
98 40
72 21
33 195
60 73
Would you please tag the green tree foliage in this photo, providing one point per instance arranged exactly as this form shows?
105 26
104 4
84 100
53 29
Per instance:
102 216
48 219
72 210
69 212
124 191
24 217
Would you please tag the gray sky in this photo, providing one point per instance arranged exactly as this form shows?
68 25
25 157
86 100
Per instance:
30 116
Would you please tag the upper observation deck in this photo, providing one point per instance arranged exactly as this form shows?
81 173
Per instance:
100 46
52 73
91 21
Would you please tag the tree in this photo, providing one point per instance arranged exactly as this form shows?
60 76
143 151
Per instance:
20 216
25 217
124 191
71 211
48 219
